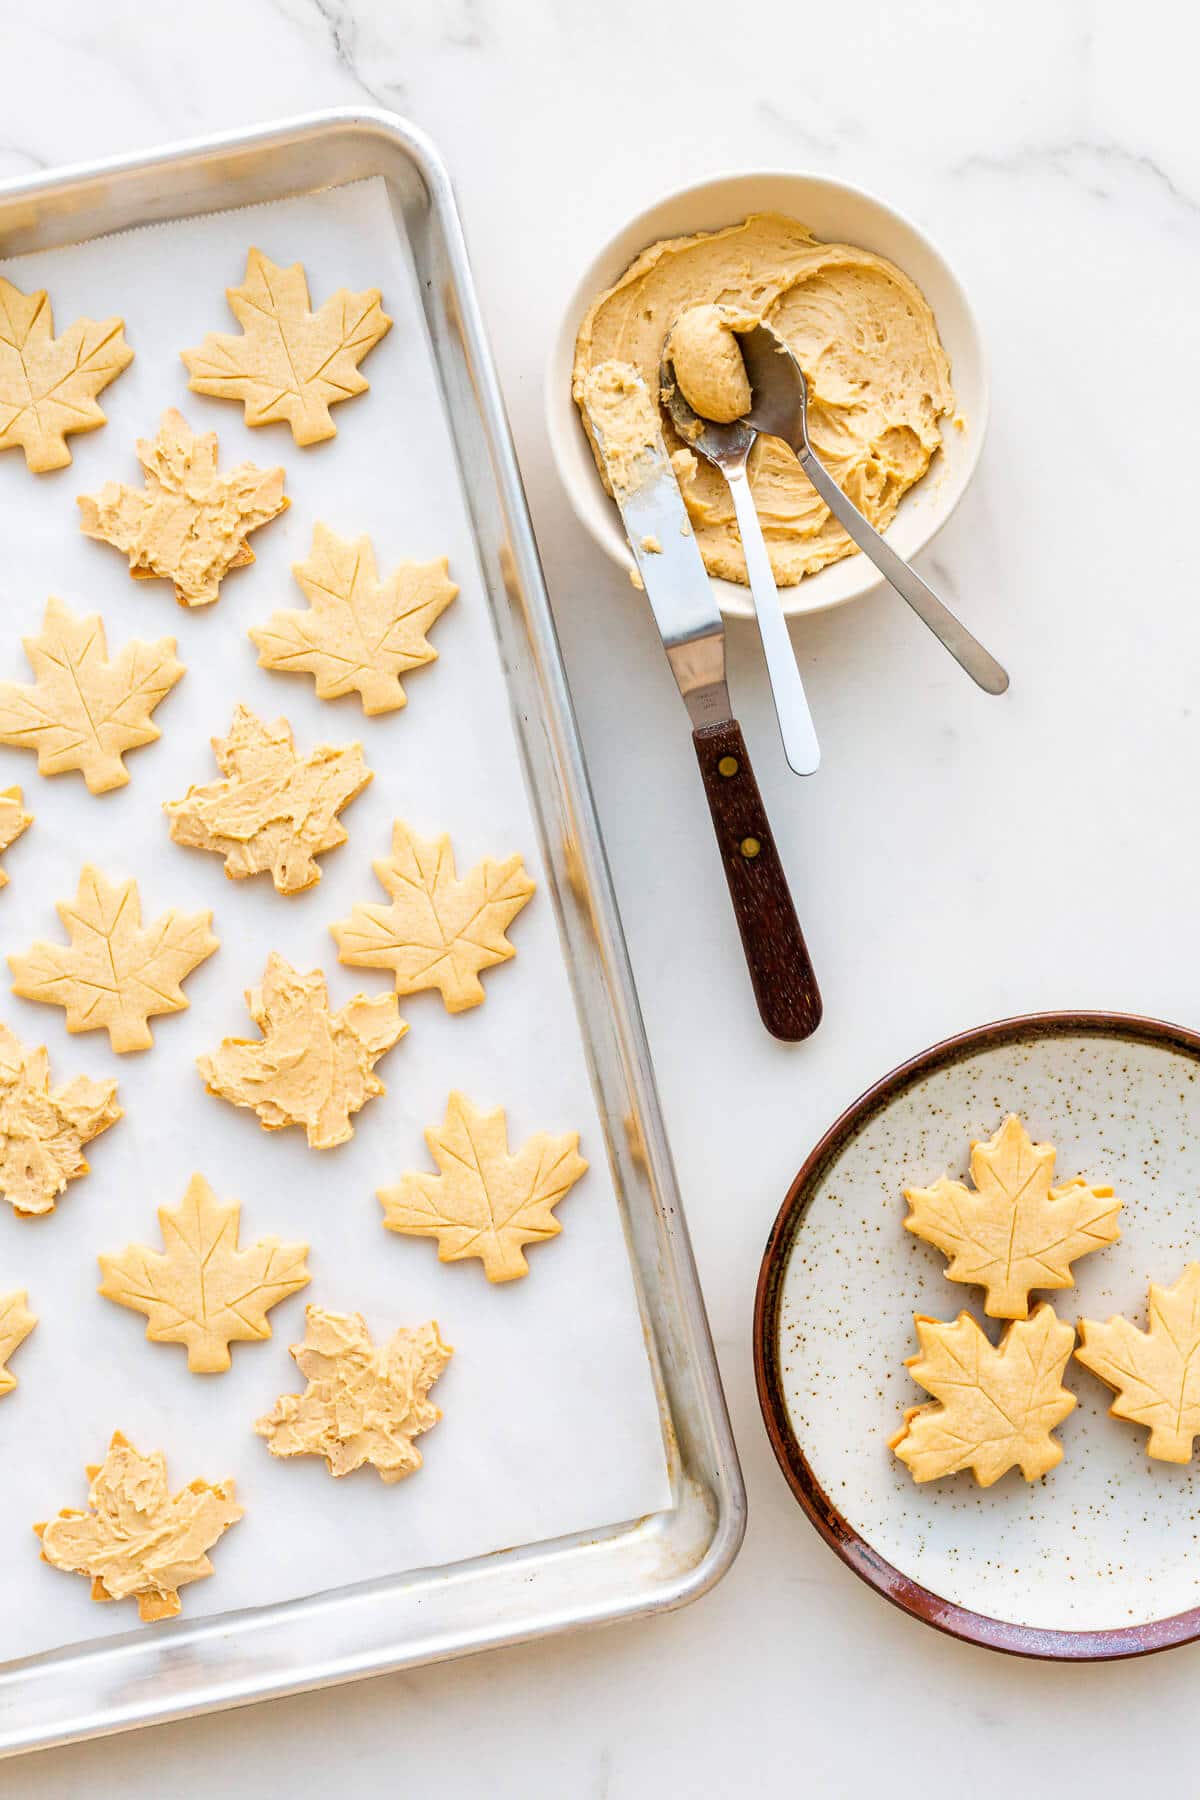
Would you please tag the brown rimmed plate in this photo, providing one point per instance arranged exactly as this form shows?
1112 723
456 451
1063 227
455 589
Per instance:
1099 1559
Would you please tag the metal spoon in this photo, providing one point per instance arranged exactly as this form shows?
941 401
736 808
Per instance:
780 409
727 447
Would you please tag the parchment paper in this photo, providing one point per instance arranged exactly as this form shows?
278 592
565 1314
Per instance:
550 1423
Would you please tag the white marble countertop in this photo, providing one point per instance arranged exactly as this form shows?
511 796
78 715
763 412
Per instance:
957 859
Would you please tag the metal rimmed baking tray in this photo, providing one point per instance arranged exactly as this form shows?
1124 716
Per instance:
624 1569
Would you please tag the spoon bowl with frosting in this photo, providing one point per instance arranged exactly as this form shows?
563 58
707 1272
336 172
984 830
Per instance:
883 332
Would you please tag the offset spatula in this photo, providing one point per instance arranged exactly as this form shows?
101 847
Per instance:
693 635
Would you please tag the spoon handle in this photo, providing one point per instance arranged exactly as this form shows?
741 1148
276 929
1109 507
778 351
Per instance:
966 650
787 689
781 973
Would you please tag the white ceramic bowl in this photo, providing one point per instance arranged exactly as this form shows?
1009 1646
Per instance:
833 210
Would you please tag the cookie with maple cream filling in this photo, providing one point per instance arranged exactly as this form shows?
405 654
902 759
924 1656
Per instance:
137 1540
364 1403
16 1323
311 1066
1013 1231
43 1129
191 522
275 809
994 1407
1155 1374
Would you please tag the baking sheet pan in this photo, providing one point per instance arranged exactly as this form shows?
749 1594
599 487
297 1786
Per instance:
560 1420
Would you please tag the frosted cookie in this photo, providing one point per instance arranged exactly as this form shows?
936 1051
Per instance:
994 1408
16 1323
114 975
275 810
43 1129
363 1404
190 524
139 1541
359 634
437 931
486 1202
201 1290
288 362
48 385
1013 1232
1155 1374
84 711
311 1067
14 820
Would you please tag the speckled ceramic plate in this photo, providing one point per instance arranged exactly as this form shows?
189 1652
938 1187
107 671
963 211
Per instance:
1101 1558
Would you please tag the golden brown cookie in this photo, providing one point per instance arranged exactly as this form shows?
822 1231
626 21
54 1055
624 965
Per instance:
288 362
14 820
1155 1374
48 385
486 1202
1013 1232
437 931
84 711
201 1290
994 1408
114 975
359 634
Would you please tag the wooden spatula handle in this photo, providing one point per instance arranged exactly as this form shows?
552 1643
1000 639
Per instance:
785 986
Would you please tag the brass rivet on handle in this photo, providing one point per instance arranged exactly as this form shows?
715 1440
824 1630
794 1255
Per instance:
749 847
728 766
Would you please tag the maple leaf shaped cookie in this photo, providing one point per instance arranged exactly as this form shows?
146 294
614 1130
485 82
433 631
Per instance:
191 522
359 633
203 1291
13 821
994 1408
311 1066
485 1203
16 1323
289 362
114 975
438 931
362 1404
43 1129
139 1541
84 711
275 810
48 385
1014 1232
1156 1373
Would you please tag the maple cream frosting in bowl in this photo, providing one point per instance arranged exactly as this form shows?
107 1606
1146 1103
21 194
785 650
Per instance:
898 383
